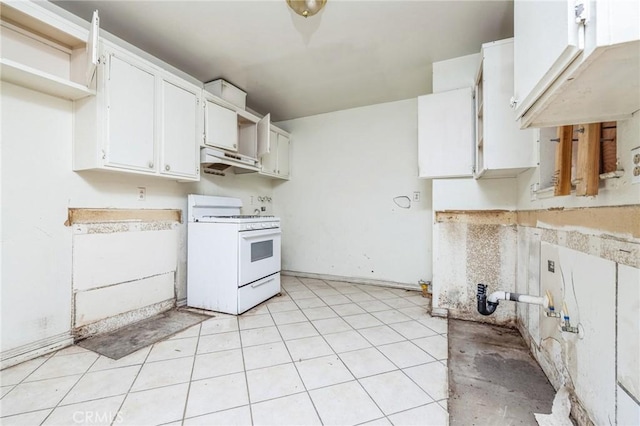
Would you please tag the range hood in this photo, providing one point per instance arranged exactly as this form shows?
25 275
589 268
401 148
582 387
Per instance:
216 161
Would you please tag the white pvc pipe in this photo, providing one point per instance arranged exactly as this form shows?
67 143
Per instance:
525 298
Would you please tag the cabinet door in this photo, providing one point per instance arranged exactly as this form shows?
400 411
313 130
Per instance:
264 136
130 114
546 41
446 134
283 155
221 127
179 125
270 159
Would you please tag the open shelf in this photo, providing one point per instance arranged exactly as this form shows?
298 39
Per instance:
22 75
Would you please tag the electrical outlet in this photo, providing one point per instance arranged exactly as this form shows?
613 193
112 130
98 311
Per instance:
142 193
416 196
551 266
635 164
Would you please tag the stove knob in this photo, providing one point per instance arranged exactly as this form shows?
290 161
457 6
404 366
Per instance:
251 226
265 225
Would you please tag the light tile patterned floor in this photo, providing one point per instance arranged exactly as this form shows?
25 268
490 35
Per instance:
324 352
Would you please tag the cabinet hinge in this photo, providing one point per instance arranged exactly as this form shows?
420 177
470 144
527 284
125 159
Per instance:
104 155
581 8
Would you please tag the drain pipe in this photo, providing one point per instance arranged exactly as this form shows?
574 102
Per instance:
488 305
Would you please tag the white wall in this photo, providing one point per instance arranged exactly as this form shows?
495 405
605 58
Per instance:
38 186
338 213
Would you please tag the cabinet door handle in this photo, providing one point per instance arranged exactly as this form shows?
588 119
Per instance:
151 164
262 283
167 167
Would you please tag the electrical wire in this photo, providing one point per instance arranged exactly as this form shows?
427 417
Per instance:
408 206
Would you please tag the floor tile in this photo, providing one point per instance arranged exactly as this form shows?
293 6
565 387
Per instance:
405 354
439 325
331 325
348 289
344 404
367 362
382 421
38 395
412 329
240 416
426 415
17 373
273 382
322 312
348 309
72 350
163 373
394 392
312 302
335 300
288 317
308 347
192 331
436 346
361 297
102 384
265 355
326 292
261 309
218 342
289 410
390 317
287 305
362 321
216 394
218 364
415 312
27 419
443 403
323 371
381 335
5 389
301 294
373 306
432 378
418 300
255 321
381 294
97 412
399 303
297 331
171 349
346 341
260 336
222 325
63 366
155 406
136 358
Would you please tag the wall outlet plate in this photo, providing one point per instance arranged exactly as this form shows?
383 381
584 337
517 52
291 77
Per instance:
142 193
416 196
635 165
551 266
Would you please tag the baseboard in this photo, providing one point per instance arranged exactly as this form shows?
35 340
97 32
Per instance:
355 280
35 349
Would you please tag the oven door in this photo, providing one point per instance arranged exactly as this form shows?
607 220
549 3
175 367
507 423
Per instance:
259 254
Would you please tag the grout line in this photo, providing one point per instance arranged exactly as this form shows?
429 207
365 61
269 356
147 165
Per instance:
193 365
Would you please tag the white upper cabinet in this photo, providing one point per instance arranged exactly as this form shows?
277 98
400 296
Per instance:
576 61
446 134
180 127
502 149
221 125
142 120
44 52
130 107
275 163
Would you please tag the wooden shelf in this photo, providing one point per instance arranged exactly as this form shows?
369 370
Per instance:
22 75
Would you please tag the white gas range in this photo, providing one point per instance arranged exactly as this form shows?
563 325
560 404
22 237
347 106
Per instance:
233 260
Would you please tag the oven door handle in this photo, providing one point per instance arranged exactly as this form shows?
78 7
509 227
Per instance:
251 235
256 285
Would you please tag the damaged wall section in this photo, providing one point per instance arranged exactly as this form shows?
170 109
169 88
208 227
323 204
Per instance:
124 266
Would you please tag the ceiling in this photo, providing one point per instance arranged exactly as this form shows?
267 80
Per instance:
353 53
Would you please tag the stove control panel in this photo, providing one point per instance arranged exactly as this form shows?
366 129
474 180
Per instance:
256 226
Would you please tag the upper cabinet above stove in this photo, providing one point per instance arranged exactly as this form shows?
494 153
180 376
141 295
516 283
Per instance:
44 52
576 61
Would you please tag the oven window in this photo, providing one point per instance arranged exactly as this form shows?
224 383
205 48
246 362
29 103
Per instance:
261 250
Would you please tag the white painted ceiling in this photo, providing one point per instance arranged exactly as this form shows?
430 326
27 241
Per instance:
353 53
